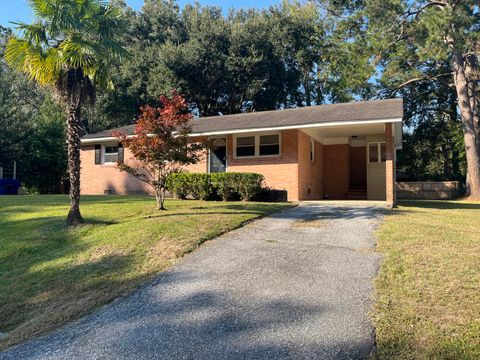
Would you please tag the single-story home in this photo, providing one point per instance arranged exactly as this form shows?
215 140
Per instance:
338 151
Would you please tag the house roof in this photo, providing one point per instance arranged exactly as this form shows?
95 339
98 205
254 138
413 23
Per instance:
332 114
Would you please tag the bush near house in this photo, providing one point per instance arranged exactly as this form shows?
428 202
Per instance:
226 186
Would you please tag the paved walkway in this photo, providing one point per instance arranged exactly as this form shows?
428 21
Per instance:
296 285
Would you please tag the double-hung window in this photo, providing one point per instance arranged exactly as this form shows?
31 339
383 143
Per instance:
108 154
257 145
376 152
245 146
111 154
269 145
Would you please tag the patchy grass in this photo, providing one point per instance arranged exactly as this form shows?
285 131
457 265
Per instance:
428 288
50 274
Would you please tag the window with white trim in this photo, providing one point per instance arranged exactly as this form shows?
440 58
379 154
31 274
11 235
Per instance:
269 145
110 154
245 146
257 145
376 152
312 149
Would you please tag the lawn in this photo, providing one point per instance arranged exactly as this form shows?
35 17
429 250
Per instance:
428 288
50 274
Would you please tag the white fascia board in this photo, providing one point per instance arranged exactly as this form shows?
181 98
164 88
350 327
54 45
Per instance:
290 127
271 128
98 140
104 139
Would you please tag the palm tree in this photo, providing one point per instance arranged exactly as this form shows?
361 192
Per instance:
69 47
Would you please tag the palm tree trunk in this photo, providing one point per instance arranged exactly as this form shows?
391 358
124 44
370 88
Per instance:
467 115
74 130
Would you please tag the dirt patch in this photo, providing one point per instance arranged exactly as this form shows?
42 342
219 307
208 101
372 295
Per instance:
310 222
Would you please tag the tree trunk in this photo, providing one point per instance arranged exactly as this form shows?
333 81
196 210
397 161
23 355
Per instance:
471 71
471 149
74 130
160 196
475 106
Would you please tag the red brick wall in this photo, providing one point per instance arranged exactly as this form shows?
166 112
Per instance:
95 179
291 171
390 165
201 166
337 170
280 172
310 174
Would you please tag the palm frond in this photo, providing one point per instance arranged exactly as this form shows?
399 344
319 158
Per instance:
36 32
68 35
31 60
42 8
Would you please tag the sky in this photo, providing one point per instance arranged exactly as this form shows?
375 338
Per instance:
18 10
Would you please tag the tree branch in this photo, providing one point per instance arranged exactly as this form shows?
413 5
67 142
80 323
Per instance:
418 79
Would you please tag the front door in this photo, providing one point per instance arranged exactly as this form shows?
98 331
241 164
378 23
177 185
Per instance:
218 155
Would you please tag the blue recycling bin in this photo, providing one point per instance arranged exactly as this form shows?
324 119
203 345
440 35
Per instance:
9 186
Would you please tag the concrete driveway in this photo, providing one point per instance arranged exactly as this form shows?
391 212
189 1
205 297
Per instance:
296 285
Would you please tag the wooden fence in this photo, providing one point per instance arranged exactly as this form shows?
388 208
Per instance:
429 190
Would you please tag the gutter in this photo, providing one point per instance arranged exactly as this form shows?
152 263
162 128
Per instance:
250 130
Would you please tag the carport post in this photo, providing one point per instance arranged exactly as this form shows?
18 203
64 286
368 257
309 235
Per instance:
390 165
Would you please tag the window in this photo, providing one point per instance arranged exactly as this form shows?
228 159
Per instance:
98 154
257 145
312 149
112 154
269 145
373 153
382 152
245 146
376 152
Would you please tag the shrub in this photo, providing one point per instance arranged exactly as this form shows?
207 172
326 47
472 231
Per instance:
179 185
200 186
247 185
224 186
228 186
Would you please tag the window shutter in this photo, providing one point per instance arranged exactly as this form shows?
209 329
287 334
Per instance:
120 153
98 154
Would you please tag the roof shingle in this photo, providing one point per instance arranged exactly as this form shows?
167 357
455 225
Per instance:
345 112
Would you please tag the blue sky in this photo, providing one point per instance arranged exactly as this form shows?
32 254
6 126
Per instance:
18 10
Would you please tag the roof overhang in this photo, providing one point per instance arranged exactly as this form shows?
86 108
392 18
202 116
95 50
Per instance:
271 128
302 126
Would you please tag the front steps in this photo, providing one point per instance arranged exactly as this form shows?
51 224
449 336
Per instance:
356 193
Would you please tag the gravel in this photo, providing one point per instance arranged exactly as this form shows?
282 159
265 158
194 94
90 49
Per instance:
296 285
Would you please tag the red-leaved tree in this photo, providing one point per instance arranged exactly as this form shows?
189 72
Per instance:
161 144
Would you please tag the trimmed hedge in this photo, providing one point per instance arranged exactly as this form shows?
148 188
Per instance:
227 186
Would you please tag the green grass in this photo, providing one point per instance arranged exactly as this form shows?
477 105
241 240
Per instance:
428 289
50 274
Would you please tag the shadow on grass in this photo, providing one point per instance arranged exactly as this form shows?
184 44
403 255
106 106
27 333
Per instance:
203 213
439 204
63 200
67 294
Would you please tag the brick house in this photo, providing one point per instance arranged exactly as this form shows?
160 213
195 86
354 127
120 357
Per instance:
339 151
